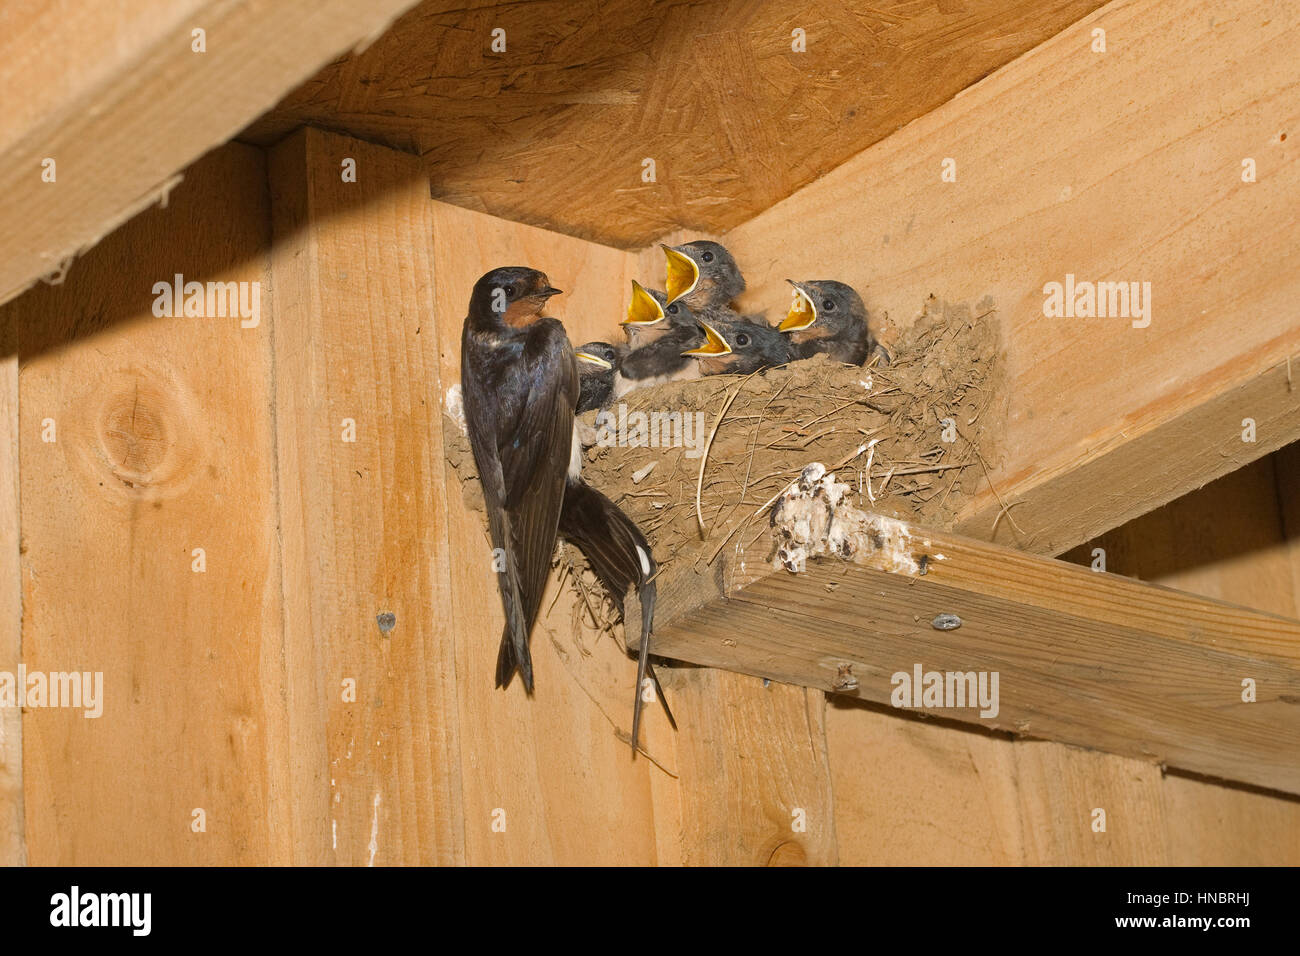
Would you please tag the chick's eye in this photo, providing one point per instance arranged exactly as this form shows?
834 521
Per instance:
828 305
742 340
672 310
707 257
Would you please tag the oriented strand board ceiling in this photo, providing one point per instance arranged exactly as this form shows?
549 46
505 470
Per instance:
554 131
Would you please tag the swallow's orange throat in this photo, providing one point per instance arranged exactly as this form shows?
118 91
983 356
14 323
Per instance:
523 312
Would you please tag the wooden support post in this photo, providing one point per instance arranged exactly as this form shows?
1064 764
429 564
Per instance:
369 632
1082 657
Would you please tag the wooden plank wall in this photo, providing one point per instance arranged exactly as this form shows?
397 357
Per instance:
225 688
142 439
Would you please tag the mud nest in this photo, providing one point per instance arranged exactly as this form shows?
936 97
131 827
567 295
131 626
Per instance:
911 441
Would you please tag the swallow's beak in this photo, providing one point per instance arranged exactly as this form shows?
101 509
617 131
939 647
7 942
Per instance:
643 309
550 291
803 312
593 359
714 344
683 274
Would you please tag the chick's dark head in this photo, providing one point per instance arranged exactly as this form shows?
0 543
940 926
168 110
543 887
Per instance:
596 357
739 347
702 274
823 308
597 362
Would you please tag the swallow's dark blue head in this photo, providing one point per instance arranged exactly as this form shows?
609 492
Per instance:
515 295
702 274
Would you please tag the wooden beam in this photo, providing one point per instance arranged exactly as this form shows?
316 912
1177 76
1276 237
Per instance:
988 800
1084 658
118 97
1126 166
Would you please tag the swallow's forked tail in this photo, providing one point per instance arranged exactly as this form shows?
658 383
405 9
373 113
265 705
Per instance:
513 654
508 661
620 556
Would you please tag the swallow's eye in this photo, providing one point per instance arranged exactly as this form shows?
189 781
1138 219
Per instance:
828 305
707 256
742 340
672 310
511 291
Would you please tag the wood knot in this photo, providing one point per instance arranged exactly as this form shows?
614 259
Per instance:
142 434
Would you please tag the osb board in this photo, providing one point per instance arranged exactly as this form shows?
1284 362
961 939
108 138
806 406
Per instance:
118 98
162 445
554 130
1125 166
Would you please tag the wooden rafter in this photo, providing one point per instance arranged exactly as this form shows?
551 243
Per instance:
120 100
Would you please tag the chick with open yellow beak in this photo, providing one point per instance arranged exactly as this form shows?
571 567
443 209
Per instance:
702 274
803 311
828 317
739 347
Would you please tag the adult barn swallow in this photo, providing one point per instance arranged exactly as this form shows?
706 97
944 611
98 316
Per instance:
828 316
650 317
520 384
597 364
702 274
662 360
740 347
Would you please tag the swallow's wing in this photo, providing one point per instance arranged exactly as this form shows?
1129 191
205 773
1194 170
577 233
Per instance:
491 397
535 453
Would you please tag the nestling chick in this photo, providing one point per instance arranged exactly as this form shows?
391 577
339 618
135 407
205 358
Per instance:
830 317
597 365
662 359
650 316
702 274
739 347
